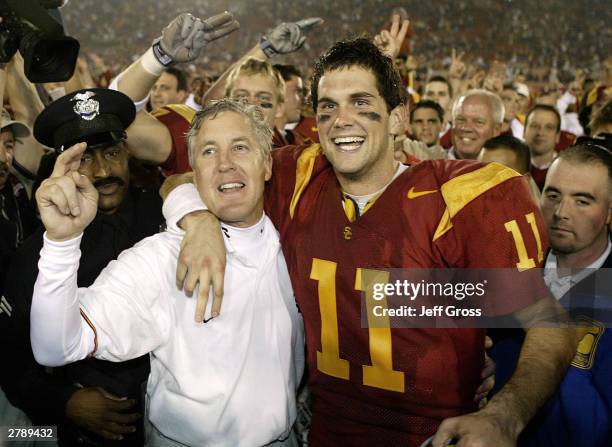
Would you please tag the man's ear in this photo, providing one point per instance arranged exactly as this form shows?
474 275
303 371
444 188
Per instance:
268 167
398 120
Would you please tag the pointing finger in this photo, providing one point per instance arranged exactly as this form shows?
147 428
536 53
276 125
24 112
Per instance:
220 31
69 160
307 24
218 20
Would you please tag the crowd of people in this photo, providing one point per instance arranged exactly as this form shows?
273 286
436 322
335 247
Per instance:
188 223
533 38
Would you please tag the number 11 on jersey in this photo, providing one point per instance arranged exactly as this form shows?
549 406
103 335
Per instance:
380 373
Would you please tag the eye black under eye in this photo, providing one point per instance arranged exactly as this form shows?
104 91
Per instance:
266 105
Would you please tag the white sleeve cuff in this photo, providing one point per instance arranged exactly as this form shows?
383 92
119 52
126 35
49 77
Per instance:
182 200
57 256
114 85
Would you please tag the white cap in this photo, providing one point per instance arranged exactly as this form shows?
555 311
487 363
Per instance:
522 89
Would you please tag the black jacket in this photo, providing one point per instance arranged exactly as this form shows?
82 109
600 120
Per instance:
17 221
42 394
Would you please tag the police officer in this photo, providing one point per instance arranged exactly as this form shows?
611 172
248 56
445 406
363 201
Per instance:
92 401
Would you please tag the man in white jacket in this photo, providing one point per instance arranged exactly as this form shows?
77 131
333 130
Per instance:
229 382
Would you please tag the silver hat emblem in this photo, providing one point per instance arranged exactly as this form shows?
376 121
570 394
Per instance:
86 107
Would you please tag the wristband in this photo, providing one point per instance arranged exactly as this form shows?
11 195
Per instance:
150 63
162 57
267 47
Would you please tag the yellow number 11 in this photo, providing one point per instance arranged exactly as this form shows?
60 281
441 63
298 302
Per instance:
525 262
380 373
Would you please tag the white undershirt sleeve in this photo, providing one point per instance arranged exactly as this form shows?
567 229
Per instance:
114 85
124 314
182 200
59 334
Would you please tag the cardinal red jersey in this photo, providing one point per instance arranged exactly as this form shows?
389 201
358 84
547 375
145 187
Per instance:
307 129
566 139
446 140
389 386
278 140
177 118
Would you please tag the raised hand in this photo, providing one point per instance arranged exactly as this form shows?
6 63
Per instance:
477 79
457 68
67 201
390 41
288 37
184 37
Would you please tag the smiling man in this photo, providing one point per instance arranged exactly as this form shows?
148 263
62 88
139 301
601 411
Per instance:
478 115
347 205
204 385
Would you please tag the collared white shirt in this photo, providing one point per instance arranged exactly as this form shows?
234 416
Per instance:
560 281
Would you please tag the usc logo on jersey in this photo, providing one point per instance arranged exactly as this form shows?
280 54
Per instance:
348 233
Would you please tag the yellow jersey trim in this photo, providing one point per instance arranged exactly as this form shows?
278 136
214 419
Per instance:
303 173
460 191
185 111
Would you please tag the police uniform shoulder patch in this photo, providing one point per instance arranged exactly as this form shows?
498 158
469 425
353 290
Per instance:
587 348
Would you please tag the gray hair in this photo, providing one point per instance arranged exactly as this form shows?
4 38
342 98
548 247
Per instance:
263 133
496 105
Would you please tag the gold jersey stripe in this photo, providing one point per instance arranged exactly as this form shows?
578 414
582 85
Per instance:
303 172
185 111
350 208
461 190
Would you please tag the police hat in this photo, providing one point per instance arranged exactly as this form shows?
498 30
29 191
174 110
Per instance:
97 116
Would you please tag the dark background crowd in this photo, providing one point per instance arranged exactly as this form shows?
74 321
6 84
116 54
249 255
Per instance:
533 37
